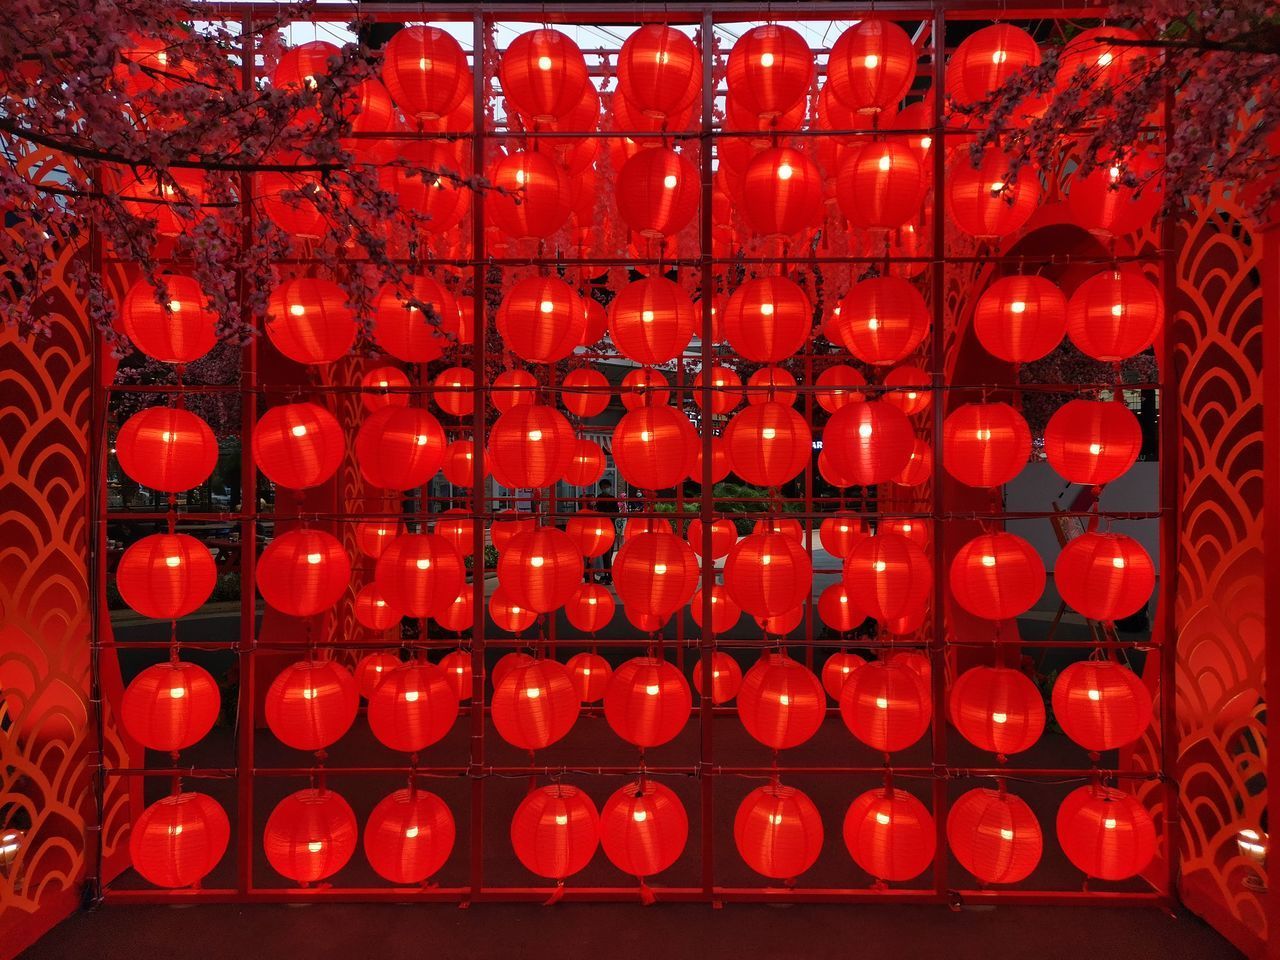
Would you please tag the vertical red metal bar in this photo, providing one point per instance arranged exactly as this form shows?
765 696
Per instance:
1270 283
96 546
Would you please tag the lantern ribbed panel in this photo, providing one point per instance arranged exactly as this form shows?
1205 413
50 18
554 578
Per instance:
647 701
420 573
644 387
586 464
374 392
726 677
882 320
555 831
459 529
840 532
590 608
837 670
997 576
886 705
770 69
426 72
888 575
592 533
514 388
781 625
1106 833
310 835
371 668
838 387
180 331
782 193
374 536
919 466
837 611
771 383
530 446
655 572
659 71
166 449
909 401
1103 62
585 391
978 201
880 186
299 217
1020 318
303 572
726 390
657 192
298 445
872 66
405 330
768 444
985 444
543 75
725 614
768 574
536 197
723 536
512 522
312 704
994 835
420 185
987 58
643 828
542 319
997 709
1102 202
399 448
506 663
308 320
778 831
768 319
1104 576
304 61
867 443
459 615
171 705
1101 704
540 569
890 834
719 461
589 672
1115 314
456 665
139 192
780 703
1092 441
653 447
166 575
454 391
409 836
179 839
535 705
413 707
458 464
652 320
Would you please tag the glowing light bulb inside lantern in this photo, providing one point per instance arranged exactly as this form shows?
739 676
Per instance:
297 310
879 566
175 306
640 816
1095 695
844 599
166 436
384 383
299 431
871 61
997 186
651 689
1000 718
585 671
1117 309
175 830
1114 174
925 144
864 431
379 603
784 700
775 819
535 435
177 693
670 181
768 433
1095 449
520 176
907 528
424 64
410 833
1104 60
785 171
983 435
1109 823
411 696
315 846
1006 833
886 162
766 560
646 316
661 56
314 558
423 563
883 818
659 569
873 323
536 562
766 59
882 703
309 693
1118 562
544 63
420 439
999 56
533 693
173 561
644 436
1018 306
591 602
988 560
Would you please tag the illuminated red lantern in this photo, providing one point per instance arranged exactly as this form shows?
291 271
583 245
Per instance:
308 320
303 572
374 536
456 665
458 615
409 836
768 444
171 705
726 678
589 673
653 447
585 392
454 391
724 612
836 671
644 387
979 200
778 831
771 383
997 576
592 533
986 58
881 185
886 705
299 66
1098 61
422 184
643 828
542 319
1115 314
535 705
179 839
840 532
534 201
994 835
426 72
166 449
657 192
420 573
723 536
290 200
837 611
768 319
768 574
659 72
726 390
1020 318
782 192
312 704
770 69
166 575
1101 704
513 388
555 831
590 608
375 392
872 66
597 322
164 200
985 444
780 703
913 389
997 709
719 465
506 663
1106 833
782 624
586 465
179 330
655 572
919 466
1104 576
543 75
459 529
1092 441
835 385
509 615
652 320
413 707
1108 201
298 445
371 668
888 575
890 834
540 569
783 525
404 328
399 448
530 446
513 522
866 443
882 320
372 610
310 835
647 702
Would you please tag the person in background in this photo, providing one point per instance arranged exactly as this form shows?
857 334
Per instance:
606 503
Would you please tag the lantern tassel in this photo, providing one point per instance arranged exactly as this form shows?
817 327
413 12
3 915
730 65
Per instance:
646 894
556 895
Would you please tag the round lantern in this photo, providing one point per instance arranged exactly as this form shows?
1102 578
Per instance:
171 705
409 836
659 71
512 522
592 533
530 446
310 835
459 529
535 705
298 445
430 181
1106 200
179 330
513 388
837 387
782 193
312 704
726 678
644 387
506 663
543 75
297 214
1020 318
1106 833
837 611
782 624
591 608
408 320
585 392
1098 61
509 615
589 673
768 444
655 573
890 834
647 701
882 320
166 449
979 200
586 464
771 383
886 705
837 670
374 536
652 320
166 575
555 831
718 466
997 709
840 532
657 192
997 576
399 448
454 391
303 572
770 70
723 536
778 831
872 66
866 443
919 466
413 707
725 614
985 444
308 320
299 66
426 73
888 575
913 389
179 839
1101 704
1115 314
768 319
881 186
780 703
597 321
726 390
375 388
421 574
371 668
986 58
458 615
653 447
768 574
534 199
1092 441
643 828
542 319
1104 576
540 569
994 835
456 665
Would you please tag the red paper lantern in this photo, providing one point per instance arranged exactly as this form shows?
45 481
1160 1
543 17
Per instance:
866 443
297 214
890 834
509 615
723 536
426 72
997 709
399 448
163 200
514 388
644 387
726 678
979 200
719 466
1099 62
555 831
872 66
298 445
770 70
310 835
886 705
918 394
1020 318
404 328
592 533
454 391
835 383
534 201
430 181
652 320
540 569
985 444
840 532
1103 201
409 836
768 574
371 668
374 392
506 663
781 703
653 447
542 319
778 831
171 705
585 392
1101 704
768 319
771 383
880 186
459 529
782 624
535 705
308 320
179 330
179 839
726 390
994 835
888 575
1115 314
986 58
413 707
655 572
919 466
837 670
166 575
768 444
530 446
837 611
1106 833
459 615
374 536
659 72
597 322
312 704
997 576
421 574
657 192
724 612
590 608
589 672
299 66
505 530
1091 441
303 572
782 193
372 610
882 320
456 665
643 828
586 465
166 449
543 75
647 701
1104 576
